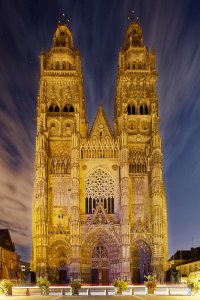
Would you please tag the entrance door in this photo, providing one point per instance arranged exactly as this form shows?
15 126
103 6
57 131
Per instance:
100 265
62 276
141 261
95 276
105 276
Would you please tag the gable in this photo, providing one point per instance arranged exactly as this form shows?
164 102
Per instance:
100 216
101 129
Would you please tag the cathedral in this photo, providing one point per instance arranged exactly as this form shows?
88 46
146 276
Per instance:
99 208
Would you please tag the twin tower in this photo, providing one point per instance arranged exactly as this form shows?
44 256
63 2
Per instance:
99 207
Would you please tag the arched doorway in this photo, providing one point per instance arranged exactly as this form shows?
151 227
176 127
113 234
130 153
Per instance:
100 255
141 261
59 262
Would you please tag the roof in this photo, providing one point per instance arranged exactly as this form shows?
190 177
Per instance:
193 254
5 240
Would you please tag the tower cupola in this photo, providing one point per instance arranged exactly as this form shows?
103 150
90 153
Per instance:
133 36
63 37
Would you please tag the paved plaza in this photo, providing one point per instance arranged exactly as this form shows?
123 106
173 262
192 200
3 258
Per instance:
117 297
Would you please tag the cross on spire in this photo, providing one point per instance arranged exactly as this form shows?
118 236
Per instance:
63 19
132 16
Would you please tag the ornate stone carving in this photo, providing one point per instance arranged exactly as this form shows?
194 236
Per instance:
99 184
98 199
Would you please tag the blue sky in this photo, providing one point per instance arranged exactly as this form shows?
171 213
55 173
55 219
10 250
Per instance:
98 27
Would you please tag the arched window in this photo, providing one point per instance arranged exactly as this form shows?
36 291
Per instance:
133 110
71 109
65 109
141 110
109 210
57 66
144 109
64 65
86 205
90 205
56 109
51 108
129 109
94 204
105 204
112 205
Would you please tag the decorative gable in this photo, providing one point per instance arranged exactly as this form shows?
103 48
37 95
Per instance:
100 216
101 129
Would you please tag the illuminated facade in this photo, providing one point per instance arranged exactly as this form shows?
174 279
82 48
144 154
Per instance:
99 207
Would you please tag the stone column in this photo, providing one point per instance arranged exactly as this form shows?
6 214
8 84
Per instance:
75 209
157 206
40 208
125 225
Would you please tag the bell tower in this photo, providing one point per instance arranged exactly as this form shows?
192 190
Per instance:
99 207
61 123
136 123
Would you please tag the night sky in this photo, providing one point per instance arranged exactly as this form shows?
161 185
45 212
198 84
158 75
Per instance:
98 27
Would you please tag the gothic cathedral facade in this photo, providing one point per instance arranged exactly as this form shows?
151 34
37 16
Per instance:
99 206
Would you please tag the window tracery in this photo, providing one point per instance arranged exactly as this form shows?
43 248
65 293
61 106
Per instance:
68 108
53 108
59 254
137 162
99 189
99 150
60 165
61 198
100 258
131 110
144 109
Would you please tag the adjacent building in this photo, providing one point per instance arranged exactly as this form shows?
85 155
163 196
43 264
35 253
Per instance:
182 263
9 259
99 206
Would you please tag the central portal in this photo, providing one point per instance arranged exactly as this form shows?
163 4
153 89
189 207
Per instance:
100 265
